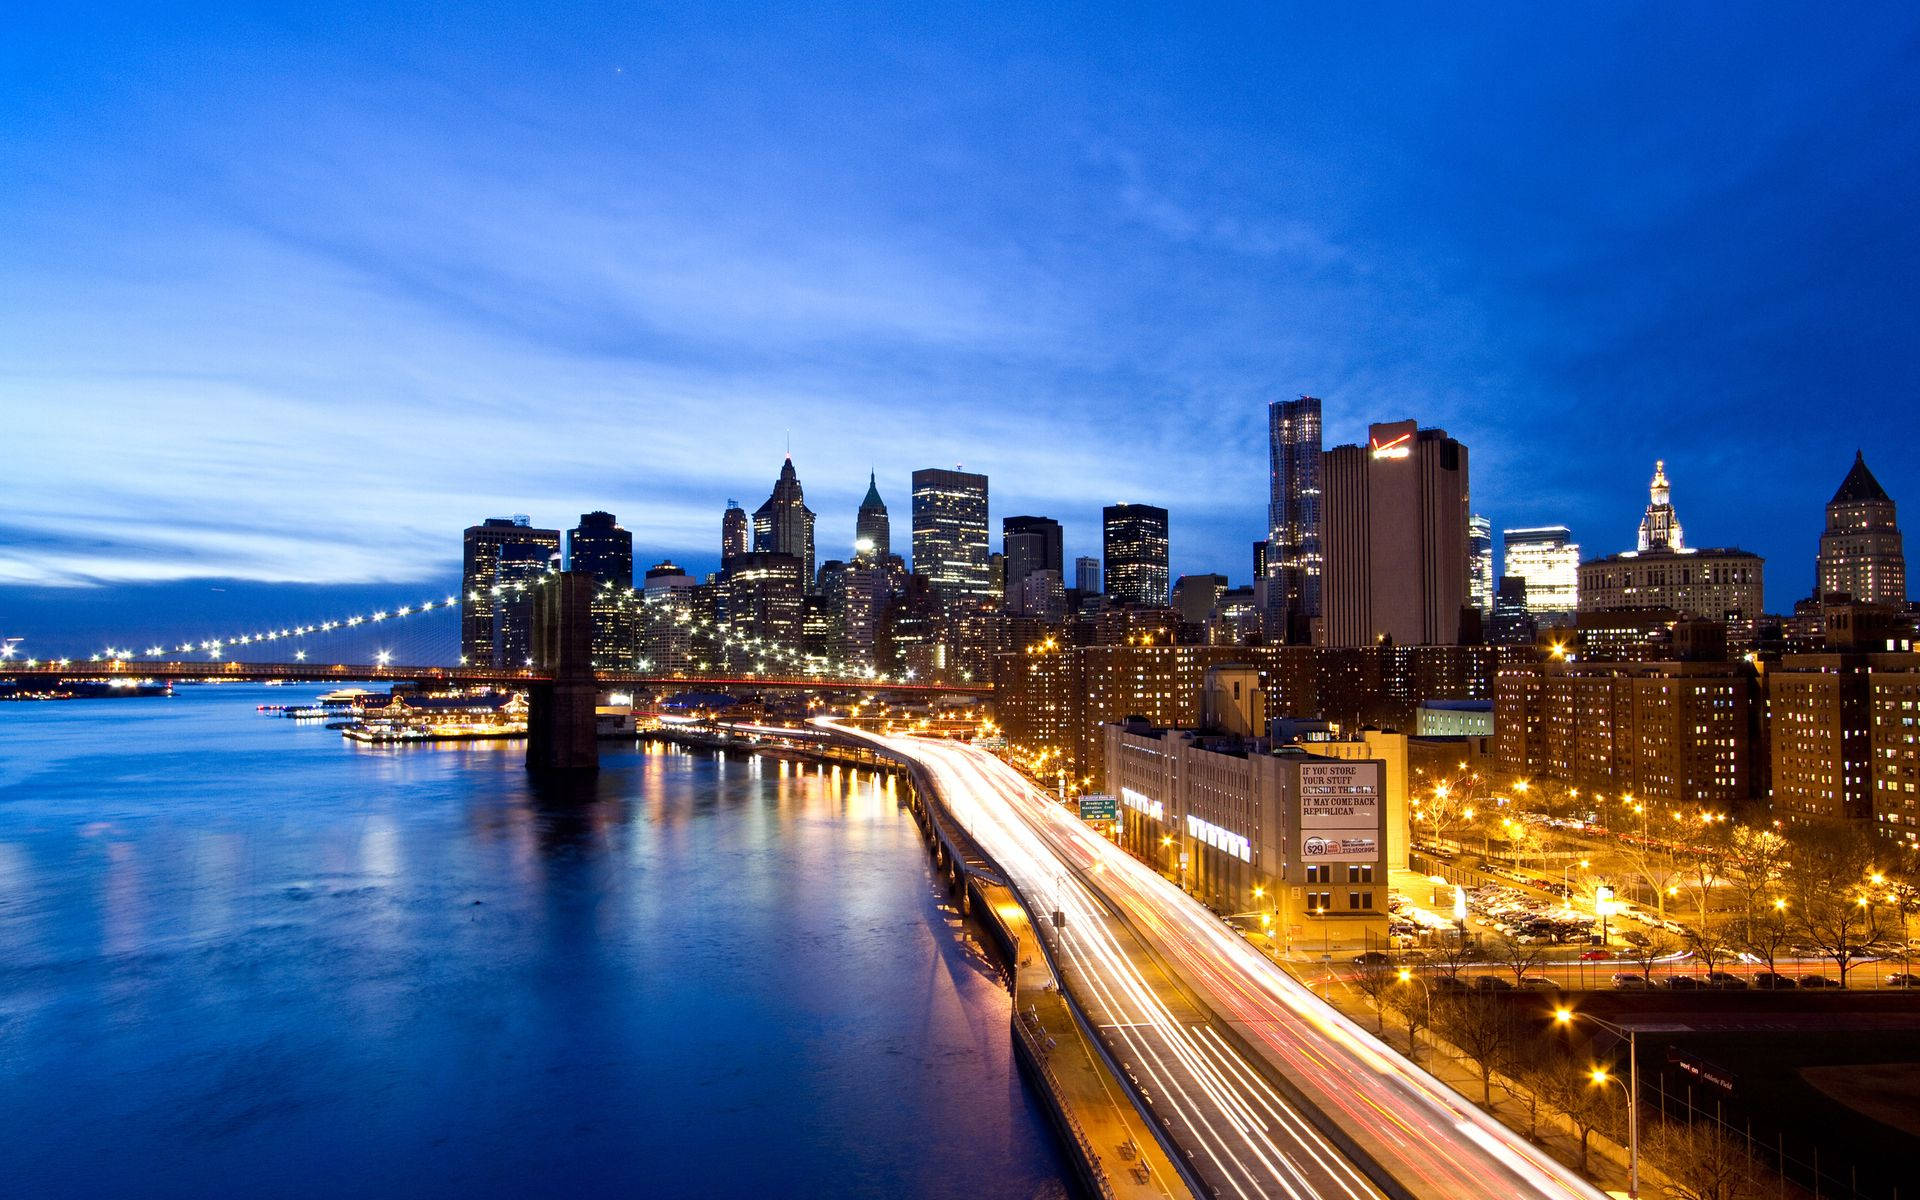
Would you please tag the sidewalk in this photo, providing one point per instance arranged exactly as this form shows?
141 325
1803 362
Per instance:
1127 1160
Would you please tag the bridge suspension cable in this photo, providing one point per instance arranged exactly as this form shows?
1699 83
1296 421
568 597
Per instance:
656 608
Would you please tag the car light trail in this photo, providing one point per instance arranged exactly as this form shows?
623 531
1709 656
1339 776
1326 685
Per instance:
1242 1137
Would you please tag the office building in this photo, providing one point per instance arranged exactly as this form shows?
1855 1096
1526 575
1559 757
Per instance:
784 524
1296 837
950 538
871 536
1861 551
1194 597
597 546
1086 576
1512 624
1293 555
481 549
522 566
1394 539
665 636
765 596
1663 572
1134 546
1549 560
1238 618
911 640
1481 579
1029 544
736 533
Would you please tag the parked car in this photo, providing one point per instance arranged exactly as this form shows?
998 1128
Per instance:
1595 955
1538 983
1683 983
1448 983
1903 979
1627 981
1772 980
1371 958
1818 981
1491 983
1726 981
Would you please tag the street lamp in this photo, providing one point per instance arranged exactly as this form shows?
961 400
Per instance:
1564 1016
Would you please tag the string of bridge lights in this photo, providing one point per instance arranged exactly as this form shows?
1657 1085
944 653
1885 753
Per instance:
216 647
761 648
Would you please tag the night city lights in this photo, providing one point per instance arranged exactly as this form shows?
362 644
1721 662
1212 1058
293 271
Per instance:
1011 603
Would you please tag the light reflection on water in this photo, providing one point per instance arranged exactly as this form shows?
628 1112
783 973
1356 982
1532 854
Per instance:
240 956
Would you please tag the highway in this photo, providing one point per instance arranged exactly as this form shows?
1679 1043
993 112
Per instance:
1238 1134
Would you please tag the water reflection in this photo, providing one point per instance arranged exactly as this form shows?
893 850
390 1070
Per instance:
251 959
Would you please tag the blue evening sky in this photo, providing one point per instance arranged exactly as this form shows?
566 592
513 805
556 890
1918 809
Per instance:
290 294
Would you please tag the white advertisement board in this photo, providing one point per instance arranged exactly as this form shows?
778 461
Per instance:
1339 811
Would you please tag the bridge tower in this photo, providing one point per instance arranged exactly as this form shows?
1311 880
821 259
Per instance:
561 730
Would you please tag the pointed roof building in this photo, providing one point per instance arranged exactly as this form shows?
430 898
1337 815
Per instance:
784 524
1862 554
871 528
1860 487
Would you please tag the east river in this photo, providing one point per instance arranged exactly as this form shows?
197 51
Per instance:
240 956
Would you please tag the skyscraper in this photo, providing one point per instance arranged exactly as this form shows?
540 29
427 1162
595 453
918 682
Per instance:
1394 536
1030 544
784 524
1134 544
1480 564
1293 517
950 537
1195 595
1086 576
1861 551
520 569
871 537
734 535
482 545
597 546
1549 560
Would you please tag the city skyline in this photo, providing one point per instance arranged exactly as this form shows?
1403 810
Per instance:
1029 304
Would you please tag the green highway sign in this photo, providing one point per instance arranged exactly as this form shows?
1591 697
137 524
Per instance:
1097 808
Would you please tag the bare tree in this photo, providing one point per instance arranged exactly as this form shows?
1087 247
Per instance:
1756 860
1570 1090
1376 981
1412 999
1710 944
1517 956
1654 864
1454 956
1449 805
1483 1028
1830 898
1899 881
1706 866
1700 1161
1766 933
1649 948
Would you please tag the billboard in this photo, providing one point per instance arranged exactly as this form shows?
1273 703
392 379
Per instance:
1096 807
1339 811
